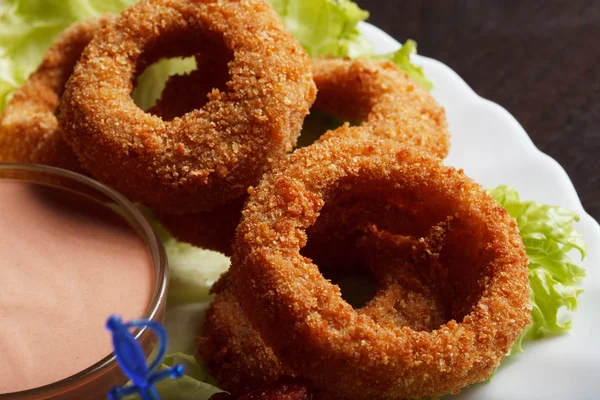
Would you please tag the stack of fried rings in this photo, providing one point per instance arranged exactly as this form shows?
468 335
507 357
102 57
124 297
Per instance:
211 155
29 129
385 99
348 354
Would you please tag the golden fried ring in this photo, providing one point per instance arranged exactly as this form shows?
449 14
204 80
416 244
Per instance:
210 155
241 361
234 350
348 354
29 128
387 102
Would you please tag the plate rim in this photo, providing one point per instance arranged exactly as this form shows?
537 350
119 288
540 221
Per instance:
587 224
368 29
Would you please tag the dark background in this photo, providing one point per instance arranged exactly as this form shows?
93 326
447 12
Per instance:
538 59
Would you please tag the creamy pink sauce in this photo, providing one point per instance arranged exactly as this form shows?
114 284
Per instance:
66 264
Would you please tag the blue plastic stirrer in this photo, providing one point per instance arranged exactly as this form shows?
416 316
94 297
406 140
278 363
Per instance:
132 360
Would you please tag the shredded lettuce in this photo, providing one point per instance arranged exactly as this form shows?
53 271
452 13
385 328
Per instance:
196 384
549 237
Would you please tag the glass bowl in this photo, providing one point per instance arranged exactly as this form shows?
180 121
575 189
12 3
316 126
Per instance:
96 381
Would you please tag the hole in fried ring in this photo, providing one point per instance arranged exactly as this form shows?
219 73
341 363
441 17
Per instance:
234 350
386 102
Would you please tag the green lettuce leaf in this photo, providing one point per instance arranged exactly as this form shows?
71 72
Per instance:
28 27
325 27
550 239
195 384
152 81
330 28
192 272
402 59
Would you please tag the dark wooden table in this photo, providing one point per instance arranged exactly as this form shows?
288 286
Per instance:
539 59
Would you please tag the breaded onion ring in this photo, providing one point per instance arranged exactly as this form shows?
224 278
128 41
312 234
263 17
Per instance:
239 359
410 295
376 92
208 156
348 354
384 99
29 129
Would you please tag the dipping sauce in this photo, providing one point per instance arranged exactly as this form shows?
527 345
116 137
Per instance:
67 263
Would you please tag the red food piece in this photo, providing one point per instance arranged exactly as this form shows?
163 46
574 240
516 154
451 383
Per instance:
283 389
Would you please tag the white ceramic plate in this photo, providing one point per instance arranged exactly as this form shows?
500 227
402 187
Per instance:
493 148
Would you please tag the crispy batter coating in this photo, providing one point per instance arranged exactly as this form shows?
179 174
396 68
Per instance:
384 99
409 295
29 128
376 92
348 354
232 349
209 155
406 269
412 289
332 240
214 229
